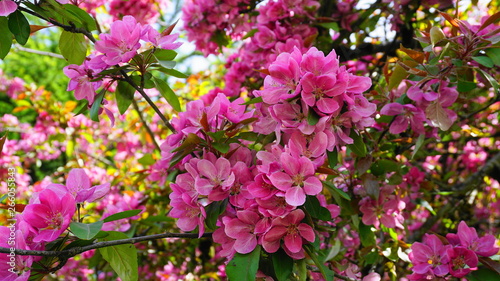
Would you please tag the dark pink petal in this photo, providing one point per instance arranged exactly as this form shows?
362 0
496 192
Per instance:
306 232
237 229
275 233
99 192
293 242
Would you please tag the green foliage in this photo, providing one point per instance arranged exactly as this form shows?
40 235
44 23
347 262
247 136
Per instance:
20 27
5 38
85 231
122 215
243 267
73 47
168 93
122 258
124 96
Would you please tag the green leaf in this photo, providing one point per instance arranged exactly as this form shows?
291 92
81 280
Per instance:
122 215
340 192
466 86
122 258
398 74
146 160
252 101
330 25
243 267
333 158
164 55
19 26
494 55
124 96
94 110
84 18
358 147
73 47
483 274
213 211
325 271
313 118
250 33
383 166
221 146
173 72
490 79
317 211
366 235
484 60
85 230
168 94
283 265
5 38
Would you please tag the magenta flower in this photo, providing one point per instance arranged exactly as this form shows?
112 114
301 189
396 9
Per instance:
291 231
320 91
159 40
81 81
242 229
297 180
122 43
7 7
189 212
78 185
52 216
405 114
217 178
21 265
430 255
468 238
462 261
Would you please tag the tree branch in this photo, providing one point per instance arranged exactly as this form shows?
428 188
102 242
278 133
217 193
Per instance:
78 250
145 124
43 53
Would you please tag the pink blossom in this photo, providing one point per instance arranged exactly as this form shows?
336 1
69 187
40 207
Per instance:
78 184
51 216
7 7
320 91
81 82
462 261
189 212
430 255
19 263
159 40
297 180
242 228
122 43
215 178
291 231
406 114
468 238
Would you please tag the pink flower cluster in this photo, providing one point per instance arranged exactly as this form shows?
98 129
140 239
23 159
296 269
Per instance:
119 46
44 219
258 194
431 102
458 257
207 21
145 11
280 26
312 85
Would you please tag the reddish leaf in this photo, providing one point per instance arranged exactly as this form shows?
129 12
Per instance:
492 19
169 29
264 70
491 264
415 55
35 28
19 207
451 20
